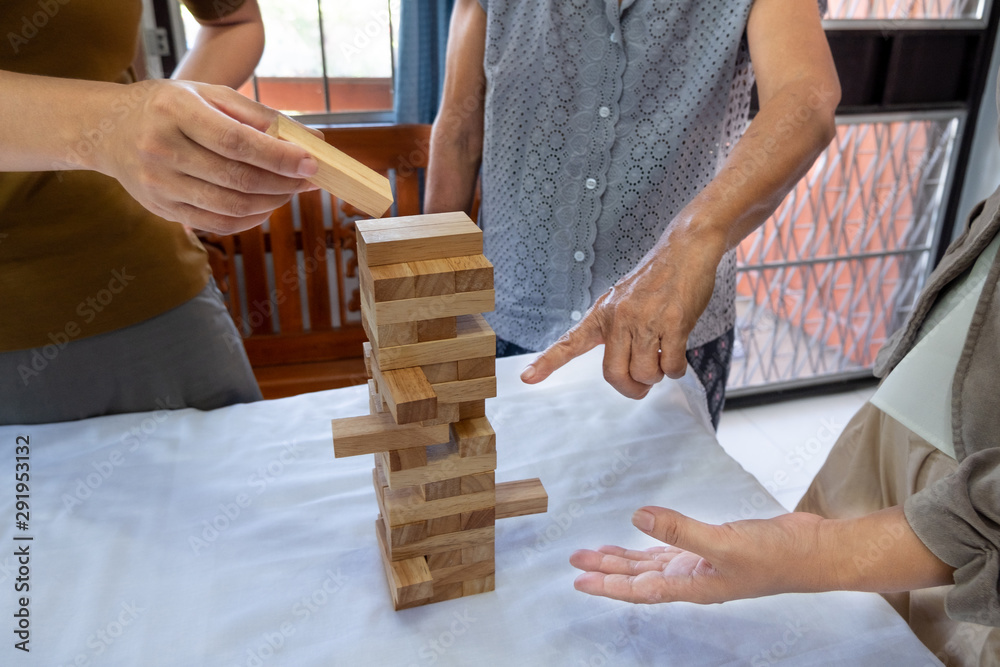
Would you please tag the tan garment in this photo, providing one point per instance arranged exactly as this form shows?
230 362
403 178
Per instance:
878 463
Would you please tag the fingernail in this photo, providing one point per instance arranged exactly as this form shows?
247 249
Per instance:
643 520
308 166
528 373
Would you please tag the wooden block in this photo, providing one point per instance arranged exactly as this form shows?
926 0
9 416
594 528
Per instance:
432 308
448 592
379 433
374 398
471 369
446 372
483 553
408 394
442 462
444 524
405 534
386 335
402 459
407 505
434 277
476 586
445 488
459 539
446 414
476 483
416 238
520 498
475 437
466 390
442 328
479 519
445 559
475 339
460 572
409 580
388 282
472 273
339 173
471 409
367 350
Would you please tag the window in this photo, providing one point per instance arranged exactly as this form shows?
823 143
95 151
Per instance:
327 59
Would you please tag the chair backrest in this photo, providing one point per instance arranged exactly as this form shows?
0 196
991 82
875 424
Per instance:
291 284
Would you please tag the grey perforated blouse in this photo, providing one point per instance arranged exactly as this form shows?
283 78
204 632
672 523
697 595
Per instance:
602 122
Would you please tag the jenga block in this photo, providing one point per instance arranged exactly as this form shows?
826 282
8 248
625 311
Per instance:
471 369
471 409
472 273
378 433
442 328
459 539
367 351
444 524
416 238
339 173
446 414
408 394
477 586
409 580
386 335
389 282
407 506
443 560
520 498
434 277
482 553
460 572
445 488
475 437
476 483
479 518
374 398
475 339
448 592
405 534
446 372
466 390
403 459
431 307
442 462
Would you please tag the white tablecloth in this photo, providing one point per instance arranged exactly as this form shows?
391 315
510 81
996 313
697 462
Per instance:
235 538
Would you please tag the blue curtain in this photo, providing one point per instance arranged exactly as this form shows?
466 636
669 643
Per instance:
423 38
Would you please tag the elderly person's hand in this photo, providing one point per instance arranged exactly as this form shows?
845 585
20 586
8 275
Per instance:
791 553
644 321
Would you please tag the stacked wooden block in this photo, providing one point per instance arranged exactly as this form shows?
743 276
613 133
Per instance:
431 358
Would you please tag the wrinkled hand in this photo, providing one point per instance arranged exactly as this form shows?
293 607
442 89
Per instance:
198 154
706 563
644 321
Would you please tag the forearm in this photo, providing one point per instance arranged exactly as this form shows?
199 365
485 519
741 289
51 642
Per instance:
50 124
224 55
777 149
453 169
878 553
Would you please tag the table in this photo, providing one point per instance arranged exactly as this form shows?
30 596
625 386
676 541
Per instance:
235 538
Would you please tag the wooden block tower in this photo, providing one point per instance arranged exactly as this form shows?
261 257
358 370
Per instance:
431 358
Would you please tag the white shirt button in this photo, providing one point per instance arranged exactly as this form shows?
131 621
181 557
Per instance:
579 256
591 183
604 112
614 38
576 316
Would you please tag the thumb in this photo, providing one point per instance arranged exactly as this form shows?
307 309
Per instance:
582 338
675 529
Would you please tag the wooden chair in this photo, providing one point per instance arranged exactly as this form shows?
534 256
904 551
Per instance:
291 284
